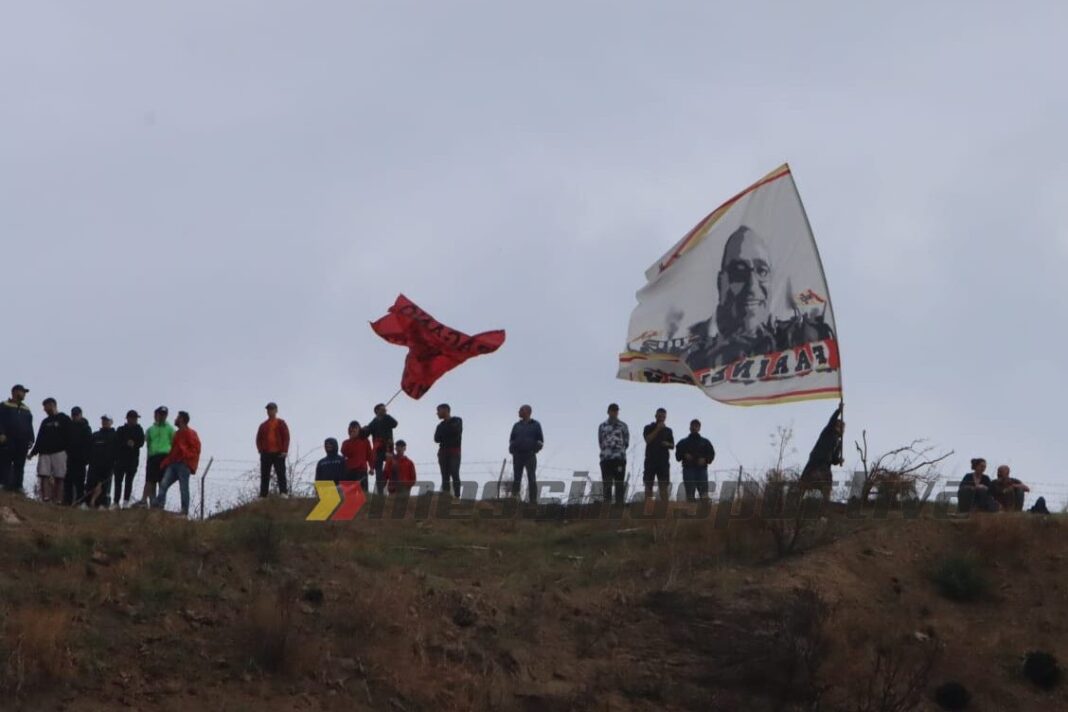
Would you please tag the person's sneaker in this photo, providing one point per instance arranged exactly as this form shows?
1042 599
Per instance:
114 506
84 507
139 504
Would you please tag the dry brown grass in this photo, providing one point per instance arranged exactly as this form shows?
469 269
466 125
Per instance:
272 638
35 649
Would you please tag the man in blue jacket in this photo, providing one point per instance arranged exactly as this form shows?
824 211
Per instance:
16 438
524 444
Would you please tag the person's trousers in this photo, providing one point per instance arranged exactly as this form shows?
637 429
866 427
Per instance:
449 462
380 468
613 477
175 472
528 462
12 465
124 477
357 476
74 484
269 460
695 481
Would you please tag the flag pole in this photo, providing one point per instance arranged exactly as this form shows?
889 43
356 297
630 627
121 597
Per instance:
399 391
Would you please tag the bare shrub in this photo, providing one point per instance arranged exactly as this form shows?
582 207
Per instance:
36 651
782 510
899 474
271 638
898 673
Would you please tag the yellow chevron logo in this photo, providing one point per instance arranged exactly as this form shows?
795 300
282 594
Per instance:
329 499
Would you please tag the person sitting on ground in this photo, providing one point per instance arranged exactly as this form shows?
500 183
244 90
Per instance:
332 467
1039 507
1008 491
400 470
974 490
826 453
359 455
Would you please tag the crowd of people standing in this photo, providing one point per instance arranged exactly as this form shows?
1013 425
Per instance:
78 466
96 469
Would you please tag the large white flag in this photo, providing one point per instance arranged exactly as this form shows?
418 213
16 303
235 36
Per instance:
739 307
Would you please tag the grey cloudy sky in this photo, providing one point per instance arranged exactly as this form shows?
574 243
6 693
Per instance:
203 204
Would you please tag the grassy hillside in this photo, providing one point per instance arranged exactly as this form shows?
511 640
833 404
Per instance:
260 610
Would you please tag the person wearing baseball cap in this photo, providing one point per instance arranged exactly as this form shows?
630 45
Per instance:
16 438
101 464
272 442
159 438
129 439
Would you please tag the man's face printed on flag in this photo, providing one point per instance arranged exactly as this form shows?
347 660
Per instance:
744 284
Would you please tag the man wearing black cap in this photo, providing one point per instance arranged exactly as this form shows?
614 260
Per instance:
160 437
81 439
272 442
101 464
129 439
16 438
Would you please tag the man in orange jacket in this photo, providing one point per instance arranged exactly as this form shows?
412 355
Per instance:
180 464
272 441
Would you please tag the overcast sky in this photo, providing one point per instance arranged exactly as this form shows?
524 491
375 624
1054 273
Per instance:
203 204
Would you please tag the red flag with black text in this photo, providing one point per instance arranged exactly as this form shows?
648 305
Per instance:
433 348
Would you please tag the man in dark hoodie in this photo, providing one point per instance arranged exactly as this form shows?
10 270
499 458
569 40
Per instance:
81 440
129 439
448 436
380 429
16 438
50 449
524 444
827 452
101 464
696 454
332 467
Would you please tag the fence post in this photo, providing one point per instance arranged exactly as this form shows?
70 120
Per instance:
203 476
504 463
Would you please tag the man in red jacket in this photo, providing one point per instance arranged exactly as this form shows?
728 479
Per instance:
358 454
399 470
180 464
272 441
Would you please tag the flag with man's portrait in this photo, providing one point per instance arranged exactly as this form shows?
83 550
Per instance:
739 307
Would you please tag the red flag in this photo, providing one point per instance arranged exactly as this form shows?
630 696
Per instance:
433 348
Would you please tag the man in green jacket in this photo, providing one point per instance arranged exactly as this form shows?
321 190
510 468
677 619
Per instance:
158 439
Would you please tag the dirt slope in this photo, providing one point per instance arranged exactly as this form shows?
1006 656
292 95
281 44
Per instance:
260 610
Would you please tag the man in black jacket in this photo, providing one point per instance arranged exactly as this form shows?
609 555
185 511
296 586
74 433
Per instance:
81 439
380 430
696 454
827 452
659 441
16 438
448 435
129 439
524 444
101 463
50 449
